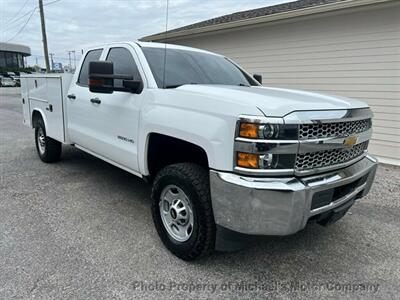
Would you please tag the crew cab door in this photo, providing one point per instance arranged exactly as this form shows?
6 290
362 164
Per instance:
109 123
79 108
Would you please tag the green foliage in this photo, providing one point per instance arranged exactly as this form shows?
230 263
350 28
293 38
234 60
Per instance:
15 69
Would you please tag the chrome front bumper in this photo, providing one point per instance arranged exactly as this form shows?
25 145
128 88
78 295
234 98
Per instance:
281 206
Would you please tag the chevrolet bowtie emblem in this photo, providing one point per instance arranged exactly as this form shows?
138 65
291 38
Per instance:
350 141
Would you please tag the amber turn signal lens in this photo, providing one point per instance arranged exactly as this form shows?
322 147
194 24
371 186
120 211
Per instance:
247 160
248 130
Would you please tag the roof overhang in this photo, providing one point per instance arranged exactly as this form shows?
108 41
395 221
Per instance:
24 50
331 7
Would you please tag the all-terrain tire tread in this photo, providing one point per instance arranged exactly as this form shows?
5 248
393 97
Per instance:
198 177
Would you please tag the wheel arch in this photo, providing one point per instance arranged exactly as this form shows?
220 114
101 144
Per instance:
37 113
163 149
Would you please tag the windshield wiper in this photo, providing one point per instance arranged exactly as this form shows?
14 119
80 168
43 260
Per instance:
242 84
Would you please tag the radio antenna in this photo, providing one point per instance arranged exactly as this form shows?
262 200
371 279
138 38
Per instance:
165 43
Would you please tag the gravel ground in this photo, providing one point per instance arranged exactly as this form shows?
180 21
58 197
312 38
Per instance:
82 228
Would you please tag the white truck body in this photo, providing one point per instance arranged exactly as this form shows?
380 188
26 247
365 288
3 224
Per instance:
117 126
40 93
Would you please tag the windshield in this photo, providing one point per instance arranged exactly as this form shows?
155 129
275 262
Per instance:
191 67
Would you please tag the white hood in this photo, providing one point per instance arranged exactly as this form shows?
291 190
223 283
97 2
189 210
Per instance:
274 102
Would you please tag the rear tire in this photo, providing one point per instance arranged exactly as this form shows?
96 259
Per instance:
48 149
190 209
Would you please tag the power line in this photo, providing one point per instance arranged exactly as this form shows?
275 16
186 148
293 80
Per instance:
22 7
56 56
22 28
7 26
49 3
27 21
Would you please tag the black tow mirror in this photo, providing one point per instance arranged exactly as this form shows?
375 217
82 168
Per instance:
258 77
101 77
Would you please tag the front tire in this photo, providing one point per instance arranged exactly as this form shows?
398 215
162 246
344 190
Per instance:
182 211
48 149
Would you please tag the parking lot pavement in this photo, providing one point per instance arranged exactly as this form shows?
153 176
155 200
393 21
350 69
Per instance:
82 228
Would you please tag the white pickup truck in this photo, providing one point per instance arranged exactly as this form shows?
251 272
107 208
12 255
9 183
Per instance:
228 158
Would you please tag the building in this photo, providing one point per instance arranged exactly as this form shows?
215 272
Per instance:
344 47
12 55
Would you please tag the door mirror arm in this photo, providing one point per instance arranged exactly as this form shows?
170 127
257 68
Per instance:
133 86
258 77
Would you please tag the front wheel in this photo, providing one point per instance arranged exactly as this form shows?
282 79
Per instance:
48 149
182 211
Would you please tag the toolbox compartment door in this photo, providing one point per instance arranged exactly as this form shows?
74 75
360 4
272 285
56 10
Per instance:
54 109
26 111
45 93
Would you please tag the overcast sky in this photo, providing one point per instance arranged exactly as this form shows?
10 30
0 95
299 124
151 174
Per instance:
76 24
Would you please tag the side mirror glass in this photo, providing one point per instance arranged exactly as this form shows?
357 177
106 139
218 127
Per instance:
258 78
101 77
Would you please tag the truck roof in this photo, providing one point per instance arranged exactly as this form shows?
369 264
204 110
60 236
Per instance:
172 46
152 45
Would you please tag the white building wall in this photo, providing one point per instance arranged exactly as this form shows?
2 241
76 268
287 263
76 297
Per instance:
354 54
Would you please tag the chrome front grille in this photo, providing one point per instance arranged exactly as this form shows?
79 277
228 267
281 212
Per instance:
325 158
337 129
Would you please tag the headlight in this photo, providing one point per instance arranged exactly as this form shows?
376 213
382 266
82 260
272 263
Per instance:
270 131
266 161
277 161
264 144
267 131
258 131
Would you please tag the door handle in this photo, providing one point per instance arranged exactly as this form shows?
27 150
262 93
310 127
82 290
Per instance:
95 100
71 96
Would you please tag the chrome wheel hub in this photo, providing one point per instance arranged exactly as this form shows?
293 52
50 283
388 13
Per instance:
176 213
41 138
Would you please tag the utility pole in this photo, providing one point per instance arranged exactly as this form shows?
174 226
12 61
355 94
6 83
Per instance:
73 51
52 62
44 38
69 59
